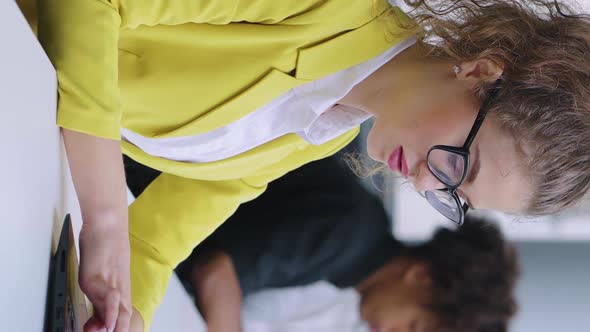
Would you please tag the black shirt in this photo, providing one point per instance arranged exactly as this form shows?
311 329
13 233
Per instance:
315 223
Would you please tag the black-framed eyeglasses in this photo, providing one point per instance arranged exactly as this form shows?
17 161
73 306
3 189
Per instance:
450 165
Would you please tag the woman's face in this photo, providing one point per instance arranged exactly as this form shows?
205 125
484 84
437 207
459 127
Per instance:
430 110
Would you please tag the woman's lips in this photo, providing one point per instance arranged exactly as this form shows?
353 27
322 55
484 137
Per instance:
397 162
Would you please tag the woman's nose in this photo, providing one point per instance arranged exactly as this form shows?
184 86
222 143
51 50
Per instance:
423 179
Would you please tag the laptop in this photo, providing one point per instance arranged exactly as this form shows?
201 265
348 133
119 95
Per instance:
66 305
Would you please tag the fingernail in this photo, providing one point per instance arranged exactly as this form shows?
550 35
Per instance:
104 329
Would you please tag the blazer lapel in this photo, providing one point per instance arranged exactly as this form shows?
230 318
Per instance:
341 52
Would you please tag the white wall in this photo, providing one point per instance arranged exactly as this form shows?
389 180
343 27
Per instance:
554 293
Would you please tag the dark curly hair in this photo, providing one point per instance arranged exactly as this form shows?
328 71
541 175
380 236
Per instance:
544 103
474 272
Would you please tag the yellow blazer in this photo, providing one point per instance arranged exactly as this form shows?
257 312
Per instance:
165 68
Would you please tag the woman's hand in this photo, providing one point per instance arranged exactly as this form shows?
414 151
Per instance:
104 275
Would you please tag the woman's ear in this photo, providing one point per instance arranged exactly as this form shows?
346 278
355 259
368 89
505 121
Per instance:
479 70
417 274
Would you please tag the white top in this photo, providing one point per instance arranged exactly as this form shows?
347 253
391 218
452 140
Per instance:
307 110
316 307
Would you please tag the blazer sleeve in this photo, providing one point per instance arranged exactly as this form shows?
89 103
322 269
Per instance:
81 36
174 214
167 221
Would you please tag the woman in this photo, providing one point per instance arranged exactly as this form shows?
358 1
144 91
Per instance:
214 95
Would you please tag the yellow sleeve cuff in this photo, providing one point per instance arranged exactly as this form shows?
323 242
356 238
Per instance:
81 37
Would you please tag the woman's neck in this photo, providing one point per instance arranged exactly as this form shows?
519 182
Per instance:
410 64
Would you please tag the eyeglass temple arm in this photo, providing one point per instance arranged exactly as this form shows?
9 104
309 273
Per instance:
482 114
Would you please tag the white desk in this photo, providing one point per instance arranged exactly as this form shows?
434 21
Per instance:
32 194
